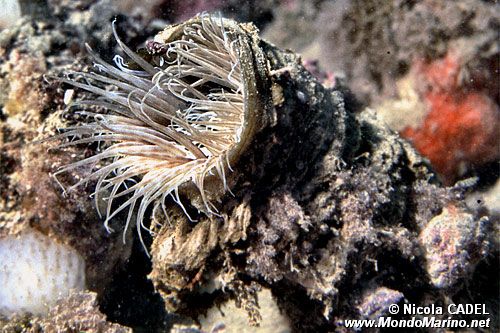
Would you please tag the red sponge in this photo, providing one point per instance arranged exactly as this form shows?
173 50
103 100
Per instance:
461 127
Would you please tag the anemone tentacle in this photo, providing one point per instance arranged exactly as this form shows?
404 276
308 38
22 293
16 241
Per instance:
165 124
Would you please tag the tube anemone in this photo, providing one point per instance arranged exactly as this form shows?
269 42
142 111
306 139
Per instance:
176 118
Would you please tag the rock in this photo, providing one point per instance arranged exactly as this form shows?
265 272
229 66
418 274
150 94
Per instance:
376 302
454 242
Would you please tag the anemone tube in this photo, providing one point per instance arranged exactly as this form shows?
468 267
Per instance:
177 124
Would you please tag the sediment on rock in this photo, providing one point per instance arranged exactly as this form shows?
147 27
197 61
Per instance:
326 201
